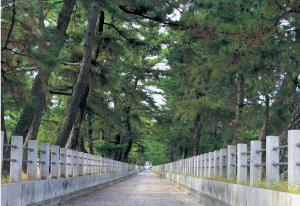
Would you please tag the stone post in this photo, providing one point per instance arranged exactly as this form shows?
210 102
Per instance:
54 161
90 156
294 158
201 166
210 164
75 163
272 156
101 165
231 165
92 164
16 154
216 163
81 162
62 163
223 161
198 166
97 164
32 156
255 158
241 163
205 164
1 152
44 158
69 163
85 163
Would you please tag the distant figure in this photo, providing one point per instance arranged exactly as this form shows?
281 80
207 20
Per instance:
148 165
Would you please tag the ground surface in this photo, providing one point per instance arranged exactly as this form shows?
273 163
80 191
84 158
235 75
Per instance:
145 189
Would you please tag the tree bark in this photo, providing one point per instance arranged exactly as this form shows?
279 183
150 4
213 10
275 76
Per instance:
74 135
40 83
34 128
240 96
264 130
293 123
184 153
197 135
89 132
82 78
128 149
72 141
238 109
6 150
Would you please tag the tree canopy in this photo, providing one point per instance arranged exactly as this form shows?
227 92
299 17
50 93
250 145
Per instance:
84 74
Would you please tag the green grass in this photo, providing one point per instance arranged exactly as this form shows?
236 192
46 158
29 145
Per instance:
282 186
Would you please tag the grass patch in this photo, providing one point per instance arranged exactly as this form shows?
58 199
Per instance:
282 186
5 179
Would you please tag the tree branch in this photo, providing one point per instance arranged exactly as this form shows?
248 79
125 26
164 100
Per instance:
12 25
157 19
117 30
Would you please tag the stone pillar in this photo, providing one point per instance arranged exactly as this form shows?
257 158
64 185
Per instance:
44 158
75 163
294 158
198 166
62 163
97 165
81 162
231 165
272 156
16 154
201 166
54 161
210 164
85 163
223 161
1 152
89 169
205 165
69 163
255 158
92 164
101 165
216 163
32 156
241 163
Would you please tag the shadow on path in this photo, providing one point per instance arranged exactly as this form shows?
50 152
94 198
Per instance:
145 189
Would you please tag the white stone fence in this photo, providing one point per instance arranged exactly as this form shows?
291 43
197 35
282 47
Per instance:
57 162
233 162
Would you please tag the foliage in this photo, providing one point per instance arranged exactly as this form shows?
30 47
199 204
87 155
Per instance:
216 66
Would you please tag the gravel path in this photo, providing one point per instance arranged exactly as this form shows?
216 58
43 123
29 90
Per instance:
145 189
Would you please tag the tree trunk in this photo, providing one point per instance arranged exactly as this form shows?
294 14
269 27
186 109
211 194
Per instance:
34 128
293 123
238 109
40 83
6 150
126 153
264 130
80 146
74 135
82 78
197 135
89 132
184 153
240 96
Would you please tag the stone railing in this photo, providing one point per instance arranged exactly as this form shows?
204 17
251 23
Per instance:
63 173
233 162
57 162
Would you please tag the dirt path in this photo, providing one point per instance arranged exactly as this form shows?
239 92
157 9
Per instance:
145 189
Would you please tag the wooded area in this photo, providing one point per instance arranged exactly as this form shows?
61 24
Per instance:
83 74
